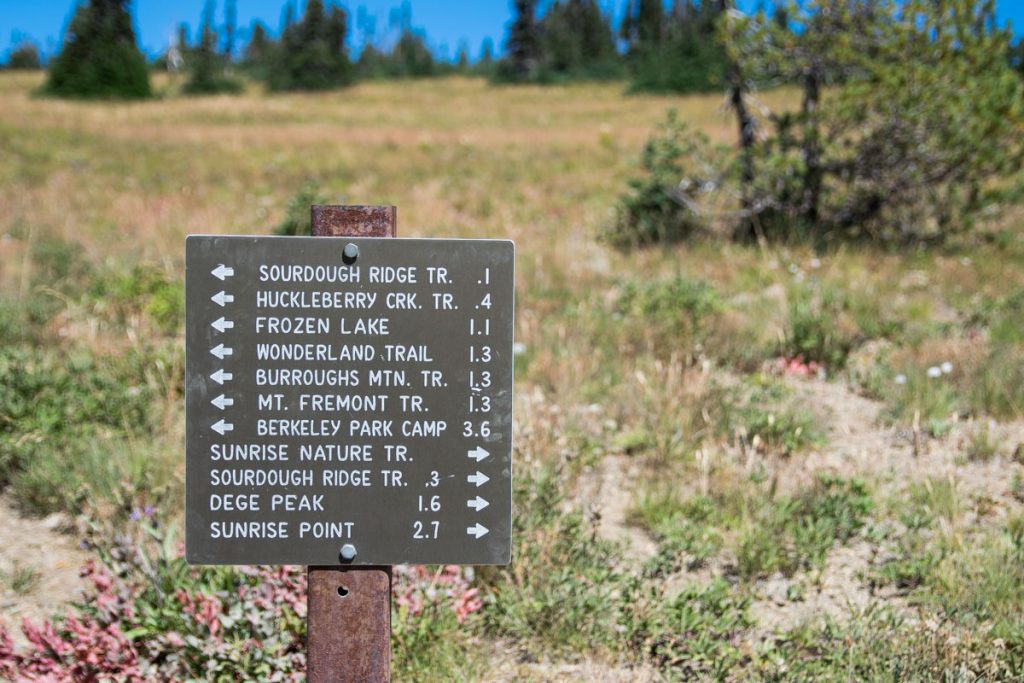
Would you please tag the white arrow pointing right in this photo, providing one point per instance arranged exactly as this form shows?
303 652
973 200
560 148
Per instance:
220 351
222 271
479 478
223 401
220 426
477 503
477 454
220 376
220 324
477 531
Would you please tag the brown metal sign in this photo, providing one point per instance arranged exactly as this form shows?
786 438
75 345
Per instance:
348 400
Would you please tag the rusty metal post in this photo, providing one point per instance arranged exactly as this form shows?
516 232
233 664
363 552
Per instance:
348 620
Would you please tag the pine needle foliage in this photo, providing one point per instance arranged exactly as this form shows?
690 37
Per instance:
99 58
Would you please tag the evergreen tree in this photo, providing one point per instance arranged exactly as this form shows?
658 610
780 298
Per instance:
182 39
577 42
230 25
372 63
462 63
642 26
311 54
25 57
206 66
485 64
522 45
411 56
99 57
687 55
259 46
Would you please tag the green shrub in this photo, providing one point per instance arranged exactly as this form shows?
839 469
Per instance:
660 206
819 328
145 289
65 419
297 217
669 315
907 114
692 635
796 533
997 386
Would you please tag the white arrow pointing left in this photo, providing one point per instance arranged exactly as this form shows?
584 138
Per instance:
220 324
478 530
220 376
223 401
222 271
220 426
477 454
220 351
221 298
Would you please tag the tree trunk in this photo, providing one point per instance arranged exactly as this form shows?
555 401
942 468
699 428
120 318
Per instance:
748 129
812 149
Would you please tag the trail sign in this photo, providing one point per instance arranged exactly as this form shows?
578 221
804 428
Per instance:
348 393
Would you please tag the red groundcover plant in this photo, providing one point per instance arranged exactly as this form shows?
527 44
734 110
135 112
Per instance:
146 615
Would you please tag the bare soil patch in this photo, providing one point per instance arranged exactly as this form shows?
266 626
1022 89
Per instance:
39 567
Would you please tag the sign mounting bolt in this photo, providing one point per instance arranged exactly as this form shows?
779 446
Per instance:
348 552
350 253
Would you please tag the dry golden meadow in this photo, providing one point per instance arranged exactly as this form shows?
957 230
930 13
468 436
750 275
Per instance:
733 462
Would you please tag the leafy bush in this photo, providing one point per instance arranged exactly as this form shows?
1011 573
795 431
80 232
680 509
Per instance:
99 58
146 615
908 112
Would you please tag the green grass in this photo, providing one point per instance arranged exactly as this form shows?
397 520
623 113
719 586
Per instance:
21 578
765 533
762 414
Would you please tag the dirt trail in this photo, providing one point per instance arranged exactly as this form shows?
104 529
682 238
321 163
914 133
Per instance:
38 567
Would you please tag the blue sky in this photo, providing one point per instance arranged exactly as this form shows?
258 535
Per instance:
446 22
